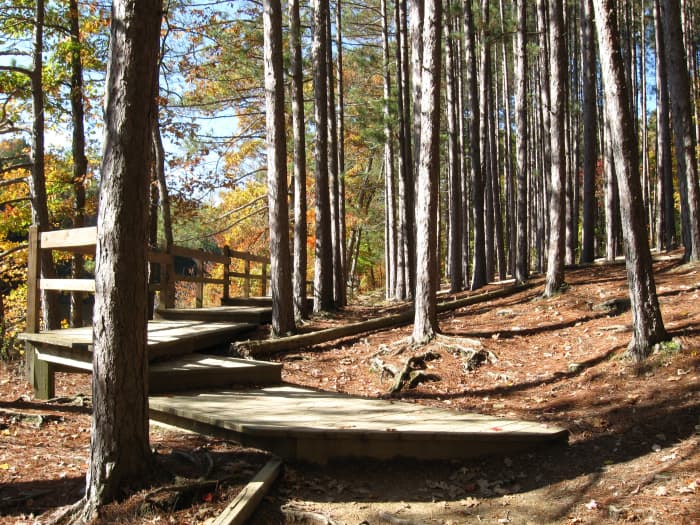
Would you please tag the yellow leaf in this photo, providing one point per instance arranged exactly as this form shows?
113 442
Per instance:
4 466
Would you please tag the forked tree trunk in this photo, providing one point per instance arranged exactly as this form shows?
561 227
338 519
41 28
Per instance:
280 271
119 450
425 320
646 316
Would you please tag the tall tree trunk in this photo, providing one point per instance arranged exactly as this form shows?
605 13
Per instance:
79 158
509 176
167 297
341 145
522 256
37 181
545 108
666 229
394 271
119 449
323 261
333 175
590 151
425 319
557 203
684 131
646 316
280 271
299 146
485 139
454 168
479 275
404 233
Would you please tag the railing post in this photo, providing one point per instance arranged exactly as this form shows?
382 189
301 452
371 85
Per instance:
227 275
39 373
263 280
200 283
167 280
246 282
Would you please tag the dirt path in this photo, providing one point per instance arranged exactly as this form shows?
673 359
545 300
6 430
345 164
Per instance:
635 432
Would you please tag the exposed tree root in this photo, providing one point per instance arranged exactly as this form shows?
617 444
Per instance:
411 375
395 520
293 515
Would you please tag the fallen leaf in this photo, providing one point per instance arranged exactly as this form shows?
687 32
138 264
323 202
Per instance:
661 491
4 466
592 505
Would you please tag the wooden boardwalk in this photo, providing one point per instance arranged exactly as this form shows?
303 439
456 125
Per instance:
254 314
318 426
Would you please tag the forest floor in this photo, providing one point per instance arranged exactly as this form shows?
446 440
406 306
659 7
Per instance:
633 453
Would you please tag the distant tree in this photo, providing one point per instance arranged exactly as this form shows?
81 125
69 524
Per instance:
280 270
425 319
646 316
119 449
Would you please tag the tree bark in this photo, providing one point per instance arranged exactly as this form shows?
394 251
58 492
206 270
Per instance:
684 131
323 260
280 271
479 277
119 451
666 224
522 257
455 173
425 320
557 202
590 151
299 147
646 316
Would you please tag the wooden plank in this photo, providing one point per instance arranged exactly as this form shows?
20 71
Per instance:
69 359
196 279
70 240
200 255
242 507
68 285
247 257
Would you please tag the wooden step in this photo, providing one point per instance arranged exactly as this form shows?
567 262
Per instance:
311 425
228 314
200 371
258 301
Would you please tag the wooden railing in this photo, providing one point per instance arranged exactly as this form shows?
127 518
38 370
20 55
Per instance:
83 240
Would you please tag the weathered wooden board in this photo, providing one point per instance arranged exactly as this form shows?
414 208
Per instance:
226 314
318 426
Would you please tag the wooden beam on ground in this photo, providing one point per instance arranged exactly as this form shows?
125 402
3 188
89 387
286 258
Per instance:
295 342
243 505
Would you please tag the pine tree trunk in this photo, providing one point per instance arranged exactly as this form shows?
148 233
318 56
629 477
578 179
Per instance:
522 255
557 202
119 449
425 320
666 224
333 174
479 277
79 158
341 146
299 147
394 270
280 271
590 151
684 131
323 260
454 162
646 316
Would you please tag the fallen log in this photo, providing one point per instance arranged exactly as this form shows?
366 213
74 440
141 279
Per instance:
264 347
